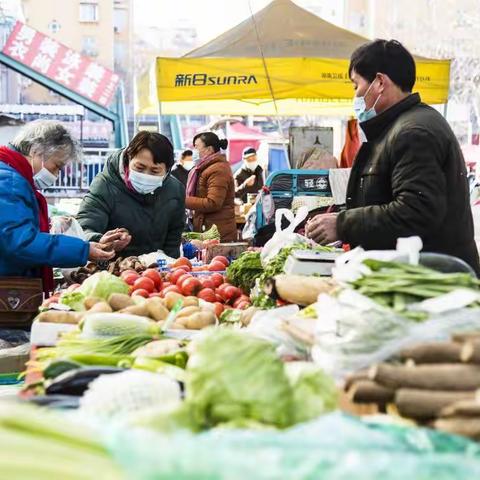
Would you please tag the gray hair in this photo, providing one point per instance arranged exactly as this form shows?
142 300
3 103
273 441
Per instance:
46 138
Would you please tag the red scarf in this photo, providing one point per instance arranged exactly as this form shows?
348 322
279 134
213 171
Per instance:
18 162
195 173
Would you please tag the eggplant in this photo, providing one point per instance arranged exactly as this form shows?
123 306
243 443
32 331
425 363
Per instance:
55 401
75 382
57 367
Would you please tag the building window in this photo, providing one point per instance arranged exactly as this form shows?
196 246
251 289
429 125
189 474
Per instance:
89 46
88 12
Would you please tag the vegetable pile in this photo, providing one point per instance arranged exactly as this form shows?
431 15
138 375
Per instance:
398 285
212 234
244 271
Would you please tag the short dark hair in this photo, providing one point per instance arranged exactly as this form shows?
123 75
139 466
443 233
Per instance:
187 153
210 139
385 56
158 144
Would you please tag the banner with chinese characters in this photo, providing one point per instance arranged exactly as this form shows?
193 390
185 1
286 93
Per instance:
61 64
298 85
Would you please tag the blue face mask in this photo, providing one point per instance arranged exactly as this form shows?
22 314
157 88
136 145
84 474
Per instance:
360 107
44 179
144 183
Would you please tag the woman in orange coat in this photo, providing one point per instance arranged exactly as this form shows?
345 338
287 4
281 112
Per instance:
211 188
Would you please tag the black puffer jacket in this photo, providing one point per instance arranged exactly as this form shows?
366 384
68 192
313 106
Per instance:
408 179
155 220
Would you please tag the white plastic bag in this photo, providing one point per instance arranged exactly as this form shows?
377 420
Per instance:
284 238
65 225
250 229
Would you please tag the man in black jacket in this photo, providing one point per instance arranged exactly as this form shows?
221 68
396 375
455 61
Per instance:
181 170
249 179
409 177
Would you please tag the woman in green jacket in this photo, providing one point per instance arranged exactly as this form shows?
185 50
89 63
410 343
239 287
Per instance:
134 203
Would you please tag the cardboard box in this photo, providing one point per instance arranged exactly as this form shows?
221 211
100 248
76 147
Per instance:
230 250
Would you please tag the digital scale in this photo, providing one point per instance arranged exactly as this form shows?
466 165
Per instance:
308 262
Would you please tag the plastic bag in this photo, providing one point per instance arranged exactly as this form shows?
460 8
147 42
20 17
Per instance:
286 237
250 229
66 225
353 332
333 447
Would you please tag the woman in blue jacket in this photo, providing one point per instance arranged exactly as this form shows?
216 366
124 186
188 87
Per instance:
30 163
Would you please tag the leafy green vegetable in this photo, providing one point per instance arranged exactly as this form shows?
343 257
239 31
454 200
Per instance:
102 285
74 300
235 377
245 270
231 316
212 234
314 392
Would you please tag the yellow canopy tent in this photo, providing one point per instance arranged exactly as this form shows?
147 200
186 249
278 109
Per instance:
283 60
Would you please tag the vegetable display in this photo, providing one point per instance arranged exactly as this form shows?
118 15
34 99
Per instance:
398 285
245 270
211 234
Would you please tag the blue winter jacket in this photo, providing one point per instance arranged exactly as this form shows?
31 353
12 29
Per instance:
23 248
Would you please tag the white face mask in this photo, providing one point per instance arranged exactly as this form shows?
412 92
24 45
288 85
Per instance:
144 183
251 165
360 107
195 157
44 179
188 165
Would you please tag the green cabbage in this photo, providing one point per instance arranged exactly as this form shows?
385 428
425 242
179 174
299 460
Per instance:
234 377
102 285
314 392
74 300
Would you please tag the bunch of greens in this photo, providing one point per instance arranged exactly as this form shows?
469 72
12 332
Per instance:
244 271
276 267
212 234
397 285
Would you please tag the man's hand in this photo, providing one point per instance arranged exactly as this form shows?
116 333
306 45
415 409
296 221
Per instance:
322 228
250 181
119 239
98 252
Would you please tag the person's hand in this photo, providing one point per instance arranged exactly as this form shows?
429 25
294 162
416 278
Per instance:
322 228
99 253
250 181
119 239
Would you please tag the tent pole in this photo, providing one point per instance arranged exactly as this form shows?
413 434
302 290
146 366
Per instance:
159 116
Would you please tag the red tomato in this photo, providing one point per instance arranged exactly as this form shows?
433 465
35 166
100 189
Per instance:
221 259
207 283
171 288
126 272
191 286
131 278
231 293
165 285
184 277
217 279
174 276
219 298
243 305
156 294
153 274
207 294
216 267
219 308
182 262
242 298
141 292
144 283
199 269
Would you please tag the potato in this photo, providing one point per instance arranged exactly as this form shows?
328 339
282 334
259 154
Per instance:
177 326
99 307
156 309
56 316
200 320
157 348
141 310
247 315
119 301
190 302
187 311
171 298
89 302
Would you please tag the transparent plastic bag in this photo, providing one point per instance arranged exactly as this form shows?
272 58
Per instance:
333 447
353 332
66 225
284 238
